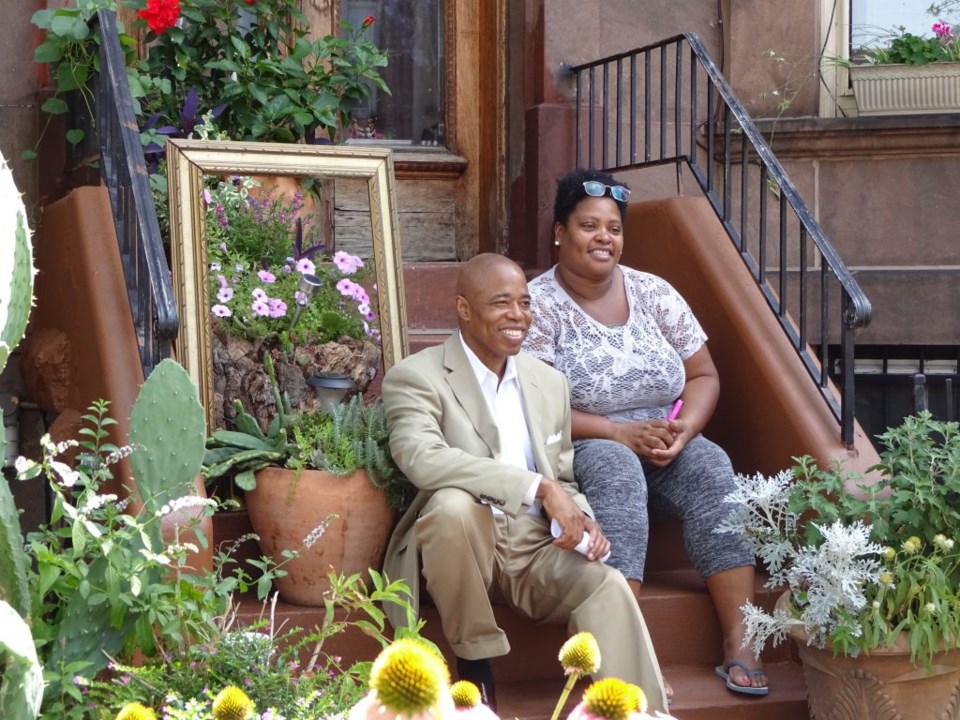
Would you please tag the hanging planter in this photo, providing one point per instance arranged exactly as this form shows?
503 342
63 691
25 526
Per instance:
897 89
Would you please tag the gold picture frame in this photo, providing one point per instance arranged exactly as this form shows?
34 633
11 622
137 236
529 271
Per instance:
187 163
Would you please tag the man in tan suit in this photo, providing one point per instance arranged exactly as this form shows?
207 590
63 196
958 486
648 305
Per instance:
483 431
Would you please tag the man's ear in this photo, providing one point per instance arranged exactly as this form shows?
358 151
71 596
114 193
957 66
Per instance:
463 309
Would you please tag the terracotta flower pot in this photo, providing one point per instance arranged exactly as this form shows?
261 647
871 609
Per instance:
883 685
285 508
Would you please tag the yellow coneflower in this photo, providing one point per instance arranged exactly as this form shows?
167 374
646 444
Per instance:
610 698
135 711
580 654
465 694
232 703
912 545
467 702
408 679
639 697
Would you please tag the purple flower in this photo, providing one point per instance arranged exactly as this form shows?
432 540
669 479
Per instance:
222 280
221 311
223 247
305 266
259 294
225 294
287 269
278 308
266 276
260 308
238 267
346 262
215 267
207 197
360 295
942 30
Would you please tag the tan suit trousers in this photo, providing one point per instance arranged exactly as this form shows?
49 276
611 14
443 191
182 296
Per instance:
467 553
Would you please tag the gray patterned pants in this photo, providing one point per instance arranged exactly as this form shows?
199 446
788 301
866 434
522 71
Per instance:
624 491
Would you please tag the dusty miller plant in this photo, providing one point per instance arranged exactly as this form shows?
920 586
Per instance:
864 562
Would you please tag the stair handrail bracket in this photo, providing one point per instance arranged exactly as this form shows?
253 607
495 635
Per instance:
668 103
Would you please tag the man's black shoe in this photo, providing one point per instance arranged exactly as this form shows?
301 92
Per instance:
480 673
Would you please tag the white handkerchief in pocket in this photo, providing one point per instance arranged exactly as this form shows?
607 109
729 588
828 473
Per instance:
555 438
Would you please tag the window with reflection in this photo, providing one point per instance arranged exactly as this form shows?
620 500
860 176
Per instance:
875 22
410 32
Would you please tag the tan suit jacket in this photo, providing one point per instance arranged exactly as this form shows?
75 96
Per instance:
442 434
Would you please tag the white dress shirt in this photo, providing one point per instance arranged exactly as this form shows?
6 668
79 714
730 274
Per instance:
505 401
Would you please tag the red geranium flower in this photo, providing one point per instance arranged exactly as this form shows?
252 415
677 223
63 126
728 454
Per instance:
249 2
367 21
161 15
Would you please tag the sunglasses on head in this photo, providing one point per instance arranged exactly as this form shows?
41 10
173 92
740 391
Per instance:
595 188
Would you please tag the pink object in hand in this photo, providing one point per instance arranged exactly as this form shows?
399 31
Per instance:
675 410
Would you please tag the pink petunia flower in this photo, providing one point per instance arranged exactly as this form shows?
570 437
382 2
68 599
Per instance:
225 294
266 276
222 280
346 287
259 294
306 267
346 262
221 311
260 308
278 308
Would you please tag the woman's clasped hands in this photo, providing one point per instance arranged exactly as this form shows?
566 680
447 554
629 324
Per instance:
656 441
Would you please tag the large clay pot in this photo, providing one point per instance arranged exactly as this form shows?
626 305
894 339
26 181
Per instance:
883 685
286 506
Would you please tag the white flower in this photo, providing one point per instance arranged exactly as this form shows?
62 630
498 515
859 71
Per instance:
68 476
95 502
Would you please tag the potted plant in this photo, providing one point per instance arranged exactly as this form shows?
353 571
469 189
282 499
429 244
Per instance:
871 569
313 466
909 74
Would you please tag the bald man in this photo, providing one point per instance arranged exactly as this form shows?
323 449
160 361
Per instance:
483 431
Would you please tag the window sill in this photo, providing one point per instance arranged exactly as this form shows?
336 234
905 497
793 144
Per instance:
427 163
844 138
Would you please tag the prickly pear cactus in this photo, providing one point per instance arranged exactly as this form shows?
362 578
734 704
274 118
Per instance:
168 428
21 691
16 265
16 297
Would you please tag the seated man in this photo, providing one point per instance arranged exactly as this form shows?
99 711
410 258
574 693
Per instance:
484 434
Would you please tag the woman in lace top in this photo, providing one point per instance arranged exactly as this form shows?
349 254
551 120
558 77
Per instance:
630 346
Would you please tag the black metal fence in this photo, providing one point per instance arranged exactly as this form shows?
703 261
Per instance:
668 103
124 171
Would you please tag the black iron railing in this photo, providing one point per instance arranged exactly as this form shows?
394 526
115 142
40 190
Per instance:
124 171
668 103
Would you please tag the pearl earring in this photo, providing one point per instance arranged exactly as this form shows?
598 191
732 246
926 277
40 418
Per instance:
556 241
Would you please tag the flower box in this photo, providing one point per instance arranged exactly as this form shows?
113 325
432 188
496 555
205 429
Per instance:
906 89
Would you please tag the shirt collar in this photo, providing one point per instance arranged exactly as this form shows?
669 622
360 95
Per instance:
482 372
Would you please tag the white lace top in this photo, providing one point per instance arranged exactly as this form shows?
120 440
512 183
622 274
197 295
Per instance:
626 372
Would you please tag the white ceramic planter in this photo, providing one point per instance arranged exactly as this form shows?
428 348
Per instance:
906 89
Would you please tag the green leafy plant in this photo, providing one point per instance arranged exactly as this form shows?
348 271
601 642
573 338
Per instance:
285 669
72 48
353 437
900 46
274 82
864 562
270 278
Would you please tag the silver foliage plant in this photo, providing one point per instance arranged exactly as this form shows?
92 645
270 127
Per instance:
828 577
